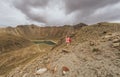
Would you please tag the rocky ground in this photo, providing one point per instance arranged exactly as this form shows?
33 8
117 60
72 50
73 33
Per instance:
95 58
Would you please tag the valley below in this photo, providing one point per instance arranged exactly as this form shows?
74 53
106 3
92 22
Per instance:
93 52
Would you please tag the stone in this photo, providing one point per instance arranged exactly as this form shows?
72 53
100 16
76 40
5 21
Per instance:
41 71
65 70
65 51
116 44
116 40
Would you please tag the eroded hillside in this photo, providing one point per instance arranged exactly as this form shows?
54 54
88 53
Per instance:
16 51
9 42
34 32
94 52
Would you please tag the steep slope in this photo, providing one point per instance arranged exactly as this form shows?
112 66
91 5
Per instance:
9 42
94 32
94 52
91 32
34 32
13 59
16 51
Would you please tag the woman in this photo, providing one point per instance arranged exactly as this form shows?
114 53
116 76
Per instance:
68 40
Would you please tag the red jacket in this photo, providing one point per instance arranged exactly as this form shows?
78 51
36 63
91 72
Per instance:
68 40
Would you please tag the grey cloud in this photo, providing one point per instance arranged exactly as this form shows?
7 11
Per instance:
86 8
9 15
60 12
25 7
83 5
110 13
32 3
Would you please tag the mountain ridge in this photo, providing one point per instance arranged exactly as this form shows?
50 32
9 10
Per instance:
93 52
37 33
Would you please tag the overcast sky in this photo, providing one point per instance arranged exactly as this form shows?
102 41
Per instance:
58 12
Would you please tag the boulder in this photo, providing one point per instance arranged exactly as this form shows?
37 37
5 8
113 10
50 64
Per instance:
116 44
41 71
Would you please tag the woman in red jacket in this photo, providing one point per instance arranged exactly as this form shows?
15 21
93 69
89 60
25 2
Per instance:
68 40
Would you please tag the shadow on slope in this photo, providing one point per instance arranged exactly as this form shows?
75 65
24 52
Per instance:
9 56
9 42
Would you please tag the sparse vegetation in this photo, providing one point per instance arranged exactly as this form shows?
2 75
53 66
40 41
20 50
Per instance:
9 42
84 57
95 50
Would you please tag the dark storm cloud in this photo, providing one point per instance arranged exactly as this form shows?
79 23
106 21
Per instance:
53 12
87 5
26 6
86 8
111 14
